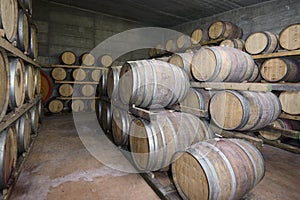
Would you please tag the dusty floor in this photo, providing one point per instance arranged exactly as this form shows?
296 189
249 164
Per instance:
60 167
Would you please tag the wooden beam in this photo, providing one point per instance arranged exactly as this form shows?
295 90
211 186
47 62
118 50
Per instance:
193 111
280 145
287 133
70 98
17 52
77 66
277 54
76 82
292 117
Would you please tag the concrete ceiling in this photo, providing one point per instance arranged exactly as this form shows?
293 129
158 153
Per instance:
163 13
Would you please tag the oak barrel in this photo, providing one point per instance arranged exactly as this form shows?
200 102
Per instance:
28 5
5 83
23 130
244 110
102 87
105 60
154 143
234 43
224 29
290 102
23 31
159 49
280 69
59 74
9 18
198 35
92 104
68 58
77 105
87 59
46 86
96 74
271 135
183 41
34 114
33 44
256 76
113 81
120 126
151 52
261 42
66 90
37 80
222 64
170 45
106 115
55 106
183 60
29 82
289 37
17 83
152 83
88 90
218 169
79 74
8 155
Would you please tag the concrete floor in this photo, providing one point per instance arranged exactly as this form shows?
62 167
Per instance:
60 167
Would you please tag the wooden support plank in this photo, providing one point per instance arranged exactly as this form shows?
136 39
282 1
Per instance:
193 111
77 82
13 116
9 47
285 132
70 98
280 145
258 143
292 117
256 87
77 66
277 54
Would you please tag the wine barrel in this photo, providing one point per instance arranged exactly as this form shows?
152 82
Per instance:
9 18
105 60
68 58
120 126
8 155
37 80
33 44
34 114
23 130
87 59
222 64
5 83
59 74
79 74
198 35
184 61
46 86
234 43
244 110
159 49
290 102
256 76
55 106
151 52
281 69
289 37
95 75
41 110
106 115
28 5
113 81
261 42
23 32
183 41
98 110
154 143
197 98
170 45
17 83
92 104
103 83
224 29
88 90
152 83
66 90
29 82
77 105
218 169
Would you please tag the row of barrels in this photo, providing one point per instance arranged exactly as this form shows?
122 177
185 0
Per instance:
74 105
255 43
79 74
15 140
20 82
217 30
85 59
17 27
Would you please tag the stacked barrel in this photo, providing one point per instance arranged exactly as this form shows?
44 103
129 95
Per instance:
76 82
20 86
